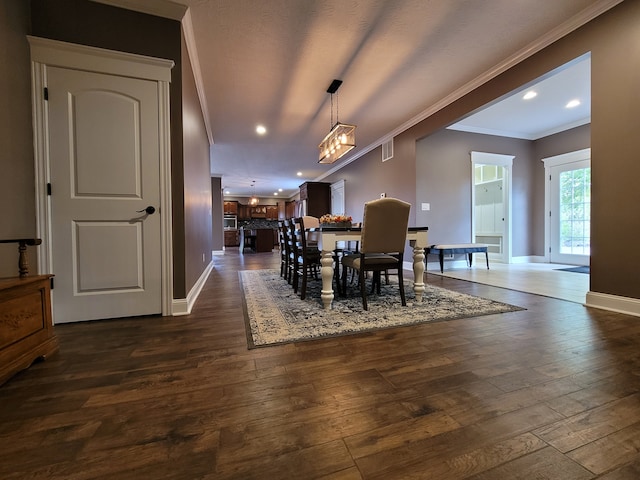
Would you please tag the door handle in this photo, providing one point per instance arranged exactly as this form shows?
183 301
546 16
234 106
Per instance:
149 210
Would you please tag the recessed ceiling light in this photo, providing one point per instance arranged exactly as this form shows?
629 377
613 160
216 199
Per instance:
275 193
227 192
299 174
279 189
529 95
261 130
572 103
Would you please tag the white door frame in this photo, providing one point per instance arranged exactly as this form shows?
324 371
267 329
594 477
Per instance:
337 198
549 163
501 160
44 53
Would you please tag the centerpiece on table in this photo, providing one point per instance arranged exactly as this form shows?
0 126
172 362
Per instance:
341 221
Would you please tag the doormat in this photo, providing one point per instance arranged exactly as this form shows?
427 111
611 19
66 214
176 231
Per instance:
582 269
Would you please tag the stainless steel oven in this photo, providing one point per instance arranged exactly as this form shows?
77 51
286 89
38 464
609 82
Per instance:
230 222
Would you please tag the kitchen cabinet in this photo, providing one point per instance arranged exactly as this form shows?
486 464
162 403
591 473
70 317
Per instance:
317 196
290 209
231 238
259 211
244 212
230 208
272 212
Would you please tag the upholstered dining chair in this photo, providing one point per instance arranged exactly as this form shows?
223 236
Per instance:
311 222
306 258
384 233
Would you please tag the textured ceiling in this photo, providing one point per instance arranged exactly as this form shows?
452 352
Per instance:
270 62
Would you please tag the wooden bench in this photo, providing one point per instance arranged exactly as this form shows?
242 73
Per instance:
456 248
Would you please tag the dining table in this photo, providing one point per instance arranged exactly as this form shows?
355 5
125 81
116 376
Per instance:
328 239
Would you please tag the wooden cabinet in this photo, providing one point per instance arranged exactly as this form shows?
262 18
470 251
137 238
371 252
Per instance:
231 238
272 212
244 212
290 209
317 196
26 328
247 212
230 207
259 211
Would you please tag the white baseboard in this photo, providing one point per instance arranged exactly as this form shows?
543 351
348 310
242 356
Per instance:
179 306
217 252
614 303
183 306
435 266
529 259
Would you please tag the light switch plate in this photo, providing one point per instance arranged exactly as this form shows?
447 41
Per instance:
426 207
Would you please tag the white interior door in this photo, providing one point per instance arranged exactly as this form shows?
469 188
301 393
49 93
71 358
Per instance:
104 168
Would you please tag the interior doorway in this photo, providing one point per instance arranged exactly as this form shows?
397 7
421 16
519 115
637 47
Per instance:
337 198
491 203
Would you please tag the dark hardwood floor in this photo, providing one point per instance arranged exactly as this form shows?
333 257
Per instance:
551 392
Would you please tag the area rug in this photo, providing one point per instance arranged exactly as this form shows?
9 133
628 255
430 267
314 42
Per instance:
583 269
275 315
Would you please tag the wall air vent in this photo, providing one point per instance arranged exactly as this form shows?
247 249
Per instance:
387 150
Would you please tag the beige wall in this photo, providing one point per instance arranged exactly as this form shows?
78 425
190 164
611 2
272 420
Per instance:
615 147
217 208
17 190
444 179
197 179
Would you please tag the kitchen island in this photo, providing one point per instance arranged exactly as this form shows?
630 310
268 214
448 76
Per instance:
258 239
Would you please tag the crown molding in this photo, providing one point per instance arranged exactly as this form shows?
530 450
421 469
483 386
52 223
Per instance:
192 50
159 8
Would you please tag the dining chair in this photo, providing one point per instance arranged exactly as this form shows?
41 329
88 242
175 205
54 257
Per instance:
306 258
311 222
290 228
382 242
283 240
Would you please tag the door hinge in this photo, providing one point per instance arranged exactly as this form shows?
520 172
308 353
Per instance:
51 280
46 93
49 189
549 249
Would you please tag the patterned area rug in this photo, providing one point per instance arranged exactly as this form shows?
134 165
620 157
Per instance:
275 315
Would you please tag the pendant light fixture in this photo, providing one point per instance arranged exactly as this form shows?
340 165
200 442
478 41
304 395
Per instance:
341 137
253 201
